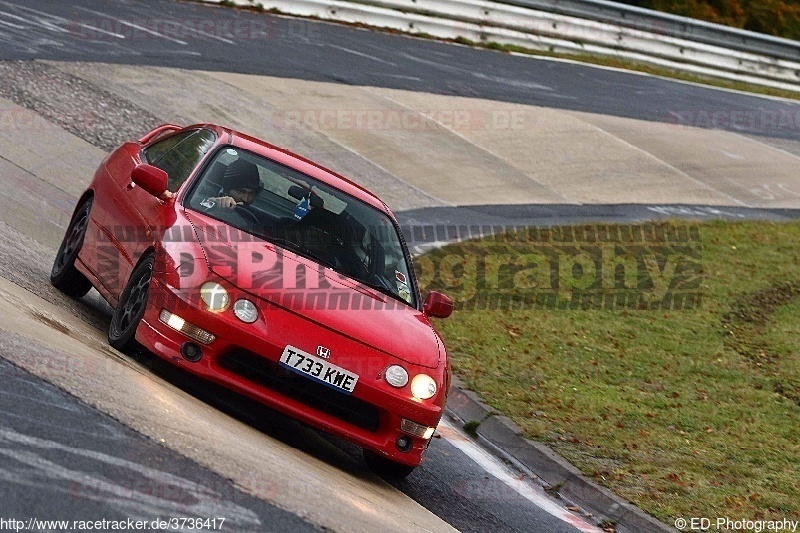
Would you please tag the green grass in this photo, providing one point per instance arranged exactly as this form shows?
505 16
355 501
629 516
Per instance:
685 412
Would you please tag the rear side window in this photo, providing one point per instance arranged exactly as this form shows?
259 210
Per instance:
179 154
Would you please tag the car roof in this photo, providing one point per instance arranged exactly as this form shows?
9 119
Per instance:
297 162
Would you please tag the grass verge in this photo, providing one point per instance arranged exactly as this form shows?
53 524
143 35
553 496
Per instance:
685 412
640 66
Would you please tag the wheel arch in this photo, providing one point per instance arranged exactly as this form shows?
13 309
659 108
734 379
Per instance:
88 194
149 251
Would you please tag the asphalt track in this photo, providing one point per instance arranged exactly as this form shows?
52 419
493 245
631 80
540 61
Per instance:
63 460
447 483
250 43
758 146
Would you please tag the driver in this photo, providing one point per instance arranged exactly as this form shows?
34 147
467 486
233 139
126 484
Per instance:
239 185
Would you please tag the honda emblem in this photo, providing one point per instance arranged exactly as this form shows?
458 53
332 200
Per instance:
323 352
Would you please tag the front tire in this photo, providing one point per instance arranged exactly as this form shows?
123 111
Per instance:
64 276
130 309
386 467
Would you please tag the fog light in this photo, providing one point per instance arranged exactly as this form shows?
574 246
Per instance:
404 443
396 376
191 352
190 330
418 430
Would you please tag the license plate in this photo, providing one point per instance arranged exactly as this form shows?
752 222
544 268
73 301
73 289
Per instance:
318 369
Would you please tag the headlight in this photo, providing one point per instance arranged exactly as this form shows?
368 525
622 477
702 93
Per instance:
396 376
245 310
423 387
215 296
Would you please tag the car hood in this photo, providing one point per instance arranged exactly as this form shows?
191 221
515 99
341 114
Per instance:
275 275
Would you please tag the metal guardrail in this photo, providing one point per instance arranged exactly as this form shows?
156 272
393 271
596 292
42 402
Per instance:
667 24
642 39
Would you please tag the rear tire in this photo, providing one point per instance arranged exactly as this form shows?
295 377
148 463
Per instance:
64 276
386 467
130 309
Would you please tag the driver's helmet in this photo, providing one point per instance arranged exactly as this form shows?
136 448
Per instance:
241 174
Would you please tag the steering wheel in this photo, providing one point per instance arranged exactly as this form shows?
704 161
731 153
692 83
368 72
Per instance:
244 212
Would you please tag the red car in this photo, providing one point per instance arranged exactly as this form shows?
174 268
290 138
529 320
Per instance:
260 270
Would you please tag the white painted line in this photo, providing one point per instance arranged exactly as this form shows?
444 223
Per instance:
50 26
37 20
183 53
785 189
47 25
524 488
761 143
15 17
510 82
11 24
39 468
100 30
29 10
134 26
402 77
362 54
67 22
669 166
732 155
435 64
206 34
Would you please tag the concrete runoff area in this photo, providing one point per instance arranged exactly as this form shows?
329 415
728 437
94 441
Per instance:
44 169
79 360
422 150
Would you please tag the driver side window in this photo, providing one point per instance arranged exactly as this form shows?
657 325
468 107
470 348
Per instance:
179 154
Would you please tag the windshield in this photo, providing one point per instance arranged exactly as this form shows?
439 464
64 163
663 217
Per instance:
306 216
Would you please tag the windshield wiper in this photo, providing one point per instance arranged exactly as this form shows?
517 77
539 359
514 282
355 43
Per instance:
281 240
383 290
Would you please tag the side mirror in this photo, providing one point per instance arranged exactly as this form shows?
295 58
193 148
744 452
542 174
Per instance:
150 178
437 305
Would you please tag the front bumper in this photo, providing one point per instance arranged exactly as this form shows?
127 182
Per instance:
245 358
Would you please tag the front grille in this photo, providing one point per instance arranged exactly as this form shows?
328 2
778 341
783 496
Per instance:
302 389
